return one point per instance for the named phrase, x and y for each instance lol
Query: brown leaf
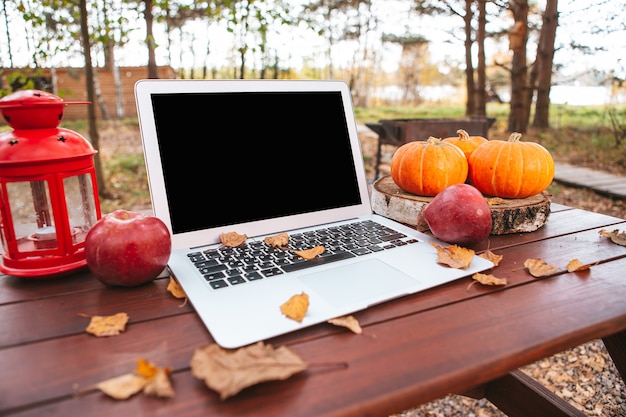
(123, 386)
(101, 326)
(539, 268)
(309, 254)
(490, 256)
(159, 385)
(148, 377)
(229, 371)
(616, 236)
(487, 279)
(176, 290)
(348, 322)
(277, 241)
(576, 266)
(296, 307)
(232, 239)
(454, 256)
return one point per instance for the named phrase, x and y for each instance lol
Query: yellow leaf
(228, 371)
(348, 322)
(232, 239)
(490, 256)
(296, 307)
(159, 385)
(123, 386)
(175, 289)
(576, 266)
(487, 279)
(277, 241)
(107, 325)
(454, 256)
(309, 254)
(616, 236)
(539, 268)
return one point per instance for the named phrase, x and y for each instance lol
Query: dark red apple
(127, 248)
(459, 214)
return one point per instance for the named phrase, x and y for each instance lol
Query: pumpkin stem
(515, 137)
(433, 140)
(463, 135)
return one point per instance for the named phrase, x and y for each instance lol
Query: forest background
(481, 50)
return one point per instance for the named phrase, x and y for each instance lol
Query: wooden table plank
(427, 351)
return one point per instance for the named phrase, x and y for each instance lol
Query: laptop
(262, 158)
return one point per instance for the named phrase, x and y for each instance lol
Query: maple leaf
(454, 256)
(495, 201)
(101, 326)
(486, 279)
(348, 322)
(616, 236)
(296, 307)
(229, 371)
(309, 254)
(539, 268)
(232, 239)
(490, 256)
(277, 241)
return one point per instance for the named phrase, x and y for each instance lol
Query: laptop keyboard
(226, 266)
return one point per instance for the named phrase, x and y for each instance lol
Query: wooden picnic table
(450, 339)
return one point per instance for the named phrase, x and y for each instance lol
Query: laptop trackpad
(359, 283)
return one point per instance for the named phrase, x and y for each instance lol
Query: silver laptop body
(261, 158)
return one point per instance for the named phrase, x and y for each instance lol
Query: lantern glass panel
(81, 205)
(33, 221)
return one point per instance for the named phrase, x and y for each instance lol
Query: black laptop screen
(239, 157)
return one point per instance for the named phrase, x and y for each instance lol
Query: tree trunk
(470, 106)
(89, 79)
(518, 37)
(481, 78)
(545, 56)
(152, 66)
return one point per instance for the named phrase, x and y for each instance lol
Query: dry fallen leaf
(176, 290)
(576, 266)
(148, 377)
(228, 371)
(101, 326)
(123, 386)
(348, 322)
(232, 239)
(616, 236)
(490, 256)
(539, 268)
(487, 279)
(309, 254)
(277, 241)
(454, 256)
(296, 307)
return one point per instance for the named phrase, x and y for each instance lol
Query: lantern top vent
(33, 109)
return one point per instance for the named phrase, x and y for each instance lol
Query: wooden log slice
(507, 215)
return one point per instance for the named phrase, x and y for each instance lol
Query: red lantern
(48, 191)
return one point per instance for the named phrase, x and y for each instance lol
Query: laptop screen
(235, 157)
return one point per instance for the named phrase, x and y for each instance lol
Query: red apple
(127, 248)
(459, 214)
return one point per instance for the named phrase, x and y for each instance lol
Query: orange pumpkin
(466, 142)
(427, 167)
(511, 169)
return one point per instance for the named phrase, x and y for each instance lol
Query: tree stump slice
(507, 215)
